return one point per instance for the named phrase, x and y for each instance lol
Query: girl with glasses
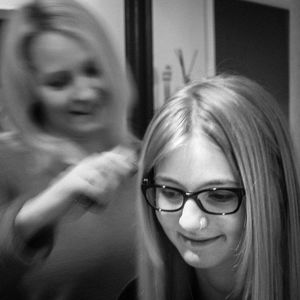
(219, 203)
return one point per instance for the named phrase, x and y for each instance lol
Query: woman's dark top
(89, 255)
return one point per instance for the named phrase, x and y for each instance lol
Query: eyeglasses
(215, 201)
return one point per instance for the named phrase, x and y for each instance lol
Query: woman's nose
(84, 89)
(192, 218)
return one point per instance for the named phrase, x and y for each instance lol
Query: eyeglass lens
(215, 201)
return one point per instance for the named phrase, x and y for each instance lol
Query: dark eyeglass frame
(239, 191)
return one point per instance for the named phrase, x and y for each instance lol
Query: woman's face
(203, 240)
(73, 89)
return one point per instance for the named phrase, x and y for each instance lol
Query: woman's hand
(91, 180)
(99, 174)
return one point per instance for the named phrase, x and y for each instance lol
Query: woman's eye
(59, 80)
(92, 70)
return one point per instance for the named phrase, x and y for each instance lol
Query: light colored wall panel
(185, 25)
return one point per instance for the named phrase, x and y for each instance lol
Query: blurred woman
(67, 222)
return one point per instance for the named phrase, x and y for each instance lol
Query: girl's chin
(192, 259)
(198, 261)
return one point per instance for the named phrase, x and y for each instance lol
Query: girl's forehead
(201, 160)
(197, 153)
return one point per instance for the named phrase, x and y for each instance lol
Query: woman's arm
(28, 220)
(91, 179)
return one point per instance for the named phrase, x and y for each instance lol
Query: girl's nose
(192, 218)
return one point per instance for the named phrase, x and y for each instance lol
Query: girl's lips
(198, 242)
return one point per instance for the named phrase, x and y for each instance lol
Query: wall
(186, 25)
(253, 40)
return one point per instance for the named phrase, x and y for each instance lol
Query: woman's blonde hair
(244, 121)
(18, 86)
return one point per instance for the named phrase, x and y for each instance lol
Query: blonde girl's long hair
(244, 121)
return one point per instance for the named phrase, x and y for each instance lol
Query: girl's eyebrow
(210, 183)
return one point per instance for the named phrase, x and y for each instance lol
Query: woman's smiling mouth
(80, 113)
(192, 242)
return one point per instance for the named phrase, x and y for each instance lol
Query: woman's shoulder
(13, 153)
(129, 292)
(11, 141)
